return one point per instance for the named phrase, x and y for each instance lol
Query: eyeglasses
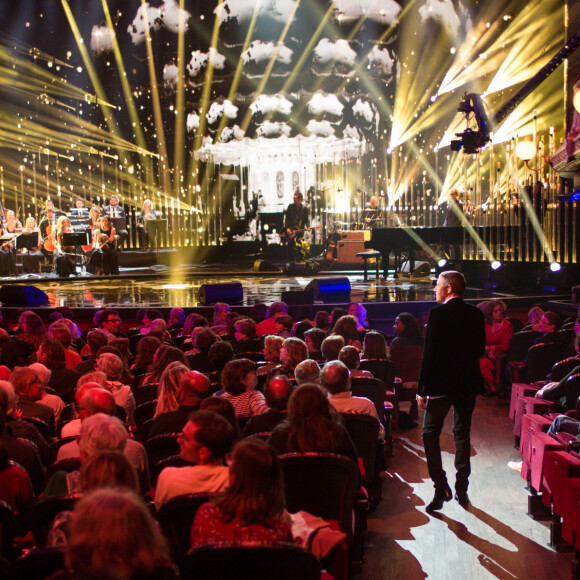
(113, 320)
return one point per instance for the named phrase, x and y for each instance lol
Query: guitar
(294, 231)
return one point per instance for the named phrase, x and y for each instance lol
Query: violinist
(31, 257)
(65, 265)
(12, 225)
(49, 206)
(146, 213)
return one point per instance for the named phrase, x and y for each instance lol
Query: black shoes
(462, 497)
(440, 497)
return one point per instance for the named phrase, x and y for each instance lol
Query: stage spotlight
(555, 266)
(496, 265)
(442, 262)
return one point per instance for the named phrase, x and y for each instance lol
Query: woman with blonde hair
(168, 391)
(113, 530)
(292, 353)
(112, 366)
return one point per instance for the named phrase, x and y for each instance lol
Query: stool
(367, 256)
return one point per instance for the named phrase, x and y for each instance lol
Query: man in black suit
(450, 377)
(118, 218)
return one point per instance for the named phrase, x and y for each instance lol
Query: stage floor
(165, 287)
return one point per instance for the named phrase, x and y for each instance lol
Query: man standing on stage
(116, 212)
(295, 219)
(450, 377)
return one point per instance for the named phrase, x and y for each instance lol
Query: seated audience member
(375, 346)
(113, 530)
(146, 349)
(229, 334)
(245, 334)
(239, 388)
(112, 366)
(89, 381)
(149, 316)
(331, 346)
(101, 401)
(277, 392)
(321, 321)
(168, 390)
(268, 326)
(27, 386)
(176, 319)
(307, 371)
(301, 329)
(252, 508)
(560, 391)
(548, 327)
(293, 352)
(205, 440)
(164, 356)
(284, 324)
(204, 338)
(567, 424)
(224, 408)
(10, 354)
(19, 427)
(220, 310)
(350, 356)
(258, 312)
(98, 432)
(51, 354)
(18, 451)
(313, 339)
(272, 347)
(534, 317)
(219, 354)
(312, 425)
(192, 321)
(61, 332)
(335, 378)
(193, 389)
(49, 399)
(346, 326)
(96, 339)
(30, 332)
(498, 332)
(336, 313)
(110, 322)
(407, 331)
(158, 329)
(357, 310)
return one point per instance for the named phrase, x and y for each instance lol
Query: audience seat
(46, 510)
(531, 423)
(248, 561)
(39, 564)
(160, 447)
(175, 519)
(563, 367)
(558, 466)
(145, 393)
(7, 530)
(143, 413)
(541, 358)
(570, 507)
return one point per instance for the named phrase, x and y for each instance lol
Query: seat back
(407, 362)
(144, 412)
(519, 344)
(175, 518)
(7, 530)
(561, 368)
(323, 484)
(248, 561)
(381, 368)
(145, 393)
(160, 447)
(39, 563)
(46, 430)
(541, 359)
(572, 389)
(516, 323)
(373, 389)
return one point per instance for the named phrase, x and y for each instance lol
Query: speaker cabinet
(339, 285)
(229, 292)
(22, 295)
(298, 297)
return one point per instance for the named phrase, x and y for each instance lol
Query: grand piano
(399, 240)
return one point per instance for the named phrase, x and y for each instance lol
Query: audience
(407, 331)
(277, 392)
(272, 347)
(239, 381)
(307, 371)
(204, 442)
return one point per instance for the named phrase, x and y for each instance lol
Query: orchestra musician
(47, 228)
(147, 213)
(64, 255)
(372, 215)
(79, 211)
(296, 222)
(49, 206)
(7, 253)
(32, 257)
(103, 256)
(115, 211)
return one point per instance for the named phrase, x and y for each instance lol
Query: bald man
(277, 393)
(194, 387)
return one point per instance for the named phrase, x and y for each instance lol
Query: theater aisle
(493, 538)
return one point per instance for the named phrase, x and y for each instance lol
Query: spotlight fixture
(496, 265)
(555, 266)
(526, 151)
(442, 262)
(472, 141)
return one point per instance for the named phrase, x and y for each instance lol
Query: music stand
(154, 227)
(27, 241)
(76, 239)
